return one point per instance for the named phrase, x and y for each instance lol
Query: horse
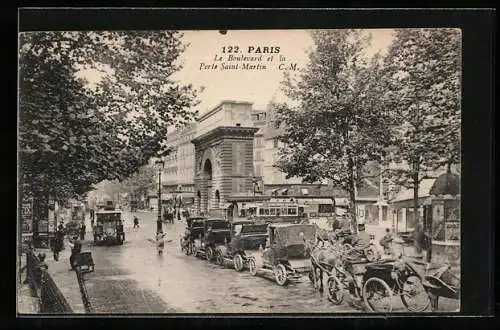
(324, 255)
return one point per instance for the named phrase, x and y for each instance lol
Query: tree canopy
(423, 80)
(75, 131)
(335, 122)
(347, 111)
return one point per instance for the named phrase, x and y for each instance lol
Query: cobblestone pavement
(132, 278)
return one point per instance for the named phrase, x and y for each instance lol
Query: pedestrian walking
(61, 225)
(136, 222)
(83, 230)
(160, 242)
(40, 267)
(76, 249)
(171, 215)
(58, 244)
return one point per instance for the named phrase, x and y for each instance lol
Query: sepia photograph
(239, 171)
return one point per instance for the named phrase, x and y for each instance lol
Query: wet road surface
(132, 278)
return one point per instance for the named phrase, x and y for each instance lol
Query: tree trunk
(352, 209)
(352, 196)
(416, 183)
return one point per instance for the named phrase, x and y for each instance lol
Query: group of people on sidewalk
(170, 213)
(75, 243)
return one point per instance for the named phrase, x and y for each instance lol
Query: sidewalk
(26, 303)
(66, 280)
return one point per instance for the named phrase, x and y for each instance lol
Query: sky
(257, 86)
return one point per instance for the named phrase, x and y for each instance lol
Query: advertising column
(27, 222)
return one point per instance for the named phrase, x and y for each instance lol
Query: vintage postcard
(240, 171)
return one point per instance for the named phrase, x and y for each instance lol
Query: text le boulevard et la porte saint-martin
(249, 58)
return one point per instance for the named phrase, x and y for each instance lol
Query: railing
(43, 287)
(83, 289)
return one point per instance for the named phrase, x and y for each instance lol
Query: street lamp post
(159, 225)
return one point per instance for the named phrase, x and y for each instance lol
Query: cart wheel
(280, 274)
(219, 259)
(238, 262)
(413, 295)
(377, 295)
(210, 253)
(335, 291)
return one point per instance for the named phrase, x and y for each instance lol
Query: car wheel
(238, 262)
(219, 258)
(252, 266)
(280, 274)
(210, 253)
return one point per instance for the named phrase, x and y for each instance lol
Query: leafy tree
(142, 182)
(422, 72)
(335, 123)
(74, 132)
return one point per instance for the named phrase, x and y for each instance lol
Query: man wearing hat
(361, 240)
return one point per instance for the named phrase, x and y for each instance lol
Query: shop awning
(166, 197)
(407, 194)
(340, 202)
(185, 195)
(317, 201)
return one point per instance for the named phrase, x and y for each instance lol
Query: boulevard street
(185, 283)
(132, 278)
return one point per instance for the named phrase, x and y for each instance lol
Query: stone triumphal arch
(223, 166)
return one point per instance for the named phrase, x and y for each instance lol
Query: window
(258, 170)
(275, 143)
(258, 155)
(217, 198)
(261, 211)
(272, 211)
(292, 211)
(266, 211)
(325, 208)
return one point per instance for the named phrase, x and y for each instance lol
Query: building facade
(179, 171)
(184, 174)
